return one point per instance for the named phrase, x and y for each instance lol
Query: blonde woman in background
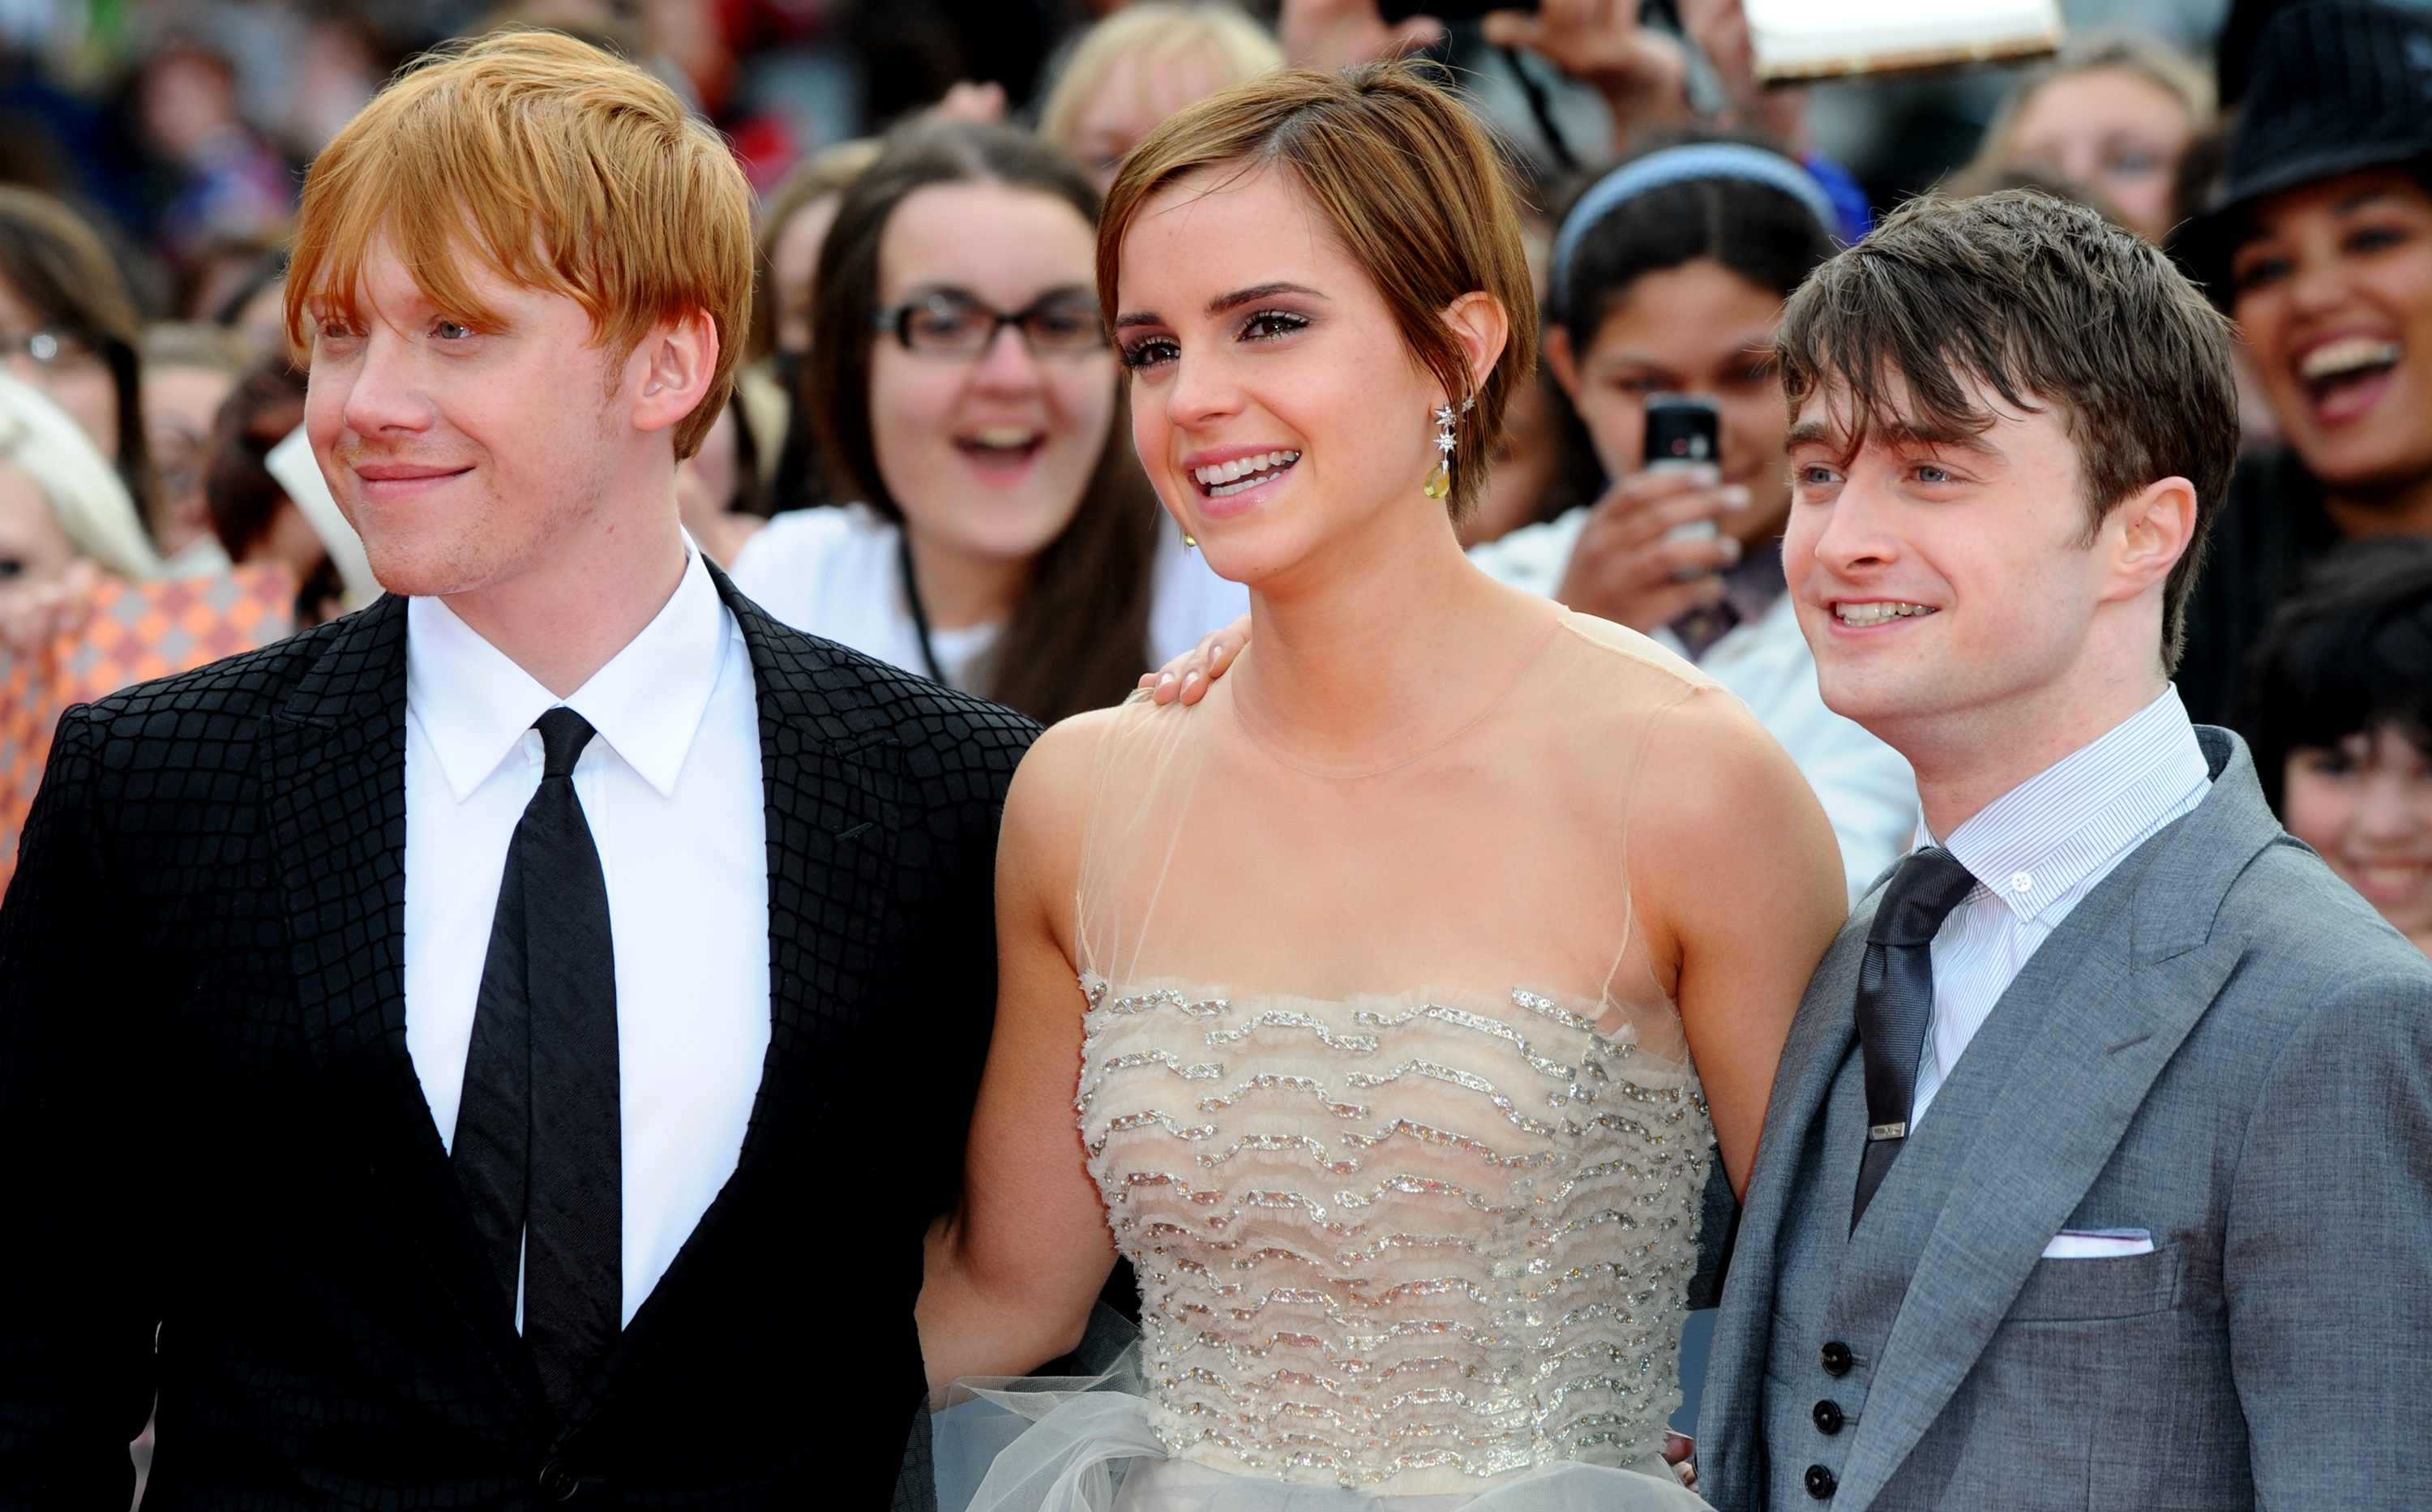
(2113, 115)
(1143, 65)
(65, 519)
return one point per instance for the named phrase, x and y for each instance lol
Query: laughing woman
(964, 386)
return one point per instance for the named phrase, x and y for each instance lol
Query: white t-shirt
(835, 573)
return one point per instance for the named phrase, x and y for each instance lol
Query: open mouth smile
(1877, 612)
(1002, 446)
(2340, 375)
(1225, 479)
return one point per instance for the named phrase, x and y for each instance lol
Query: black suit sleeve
(77, 1310)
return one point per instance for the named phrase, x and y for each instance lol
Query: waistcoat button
(1821, 1483)
(1837, 1358)
(1827, 1417)
(557, 1483)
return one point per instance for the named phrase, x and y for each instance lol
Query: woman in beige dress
(1403, 985)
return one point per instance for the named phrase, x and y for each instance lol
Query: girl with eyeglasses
(964, 390)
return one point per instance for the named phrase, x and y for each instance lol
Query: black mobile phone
(1683, 431)
(1397, 11)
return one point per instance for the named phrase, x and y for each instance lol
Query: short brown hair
(1414, 191)
(2048, 305)
(560, 167)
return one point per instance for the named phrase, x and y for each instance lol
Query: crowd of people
(1407, 770)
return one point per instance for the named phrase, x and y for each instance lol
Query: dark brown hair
(1409, 182)
(2049, 306)
(59, 268)
(1079, 638)
(2349, 653)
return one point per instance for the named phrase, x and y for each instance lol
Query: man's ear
(1478, 320)
(2156, 527)
(1563, 361)
(670, 373)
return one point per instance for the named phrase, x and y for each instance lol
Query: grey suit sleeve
(2327, 1259)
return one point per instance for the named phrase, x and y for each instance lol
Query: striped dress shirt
(2036, 851)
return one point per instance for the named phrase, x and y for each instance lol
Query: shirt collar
(646, 702)
(2034, 844)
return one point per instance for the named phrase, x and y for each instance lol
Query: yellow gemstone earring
(1190, 541)
(1439, 482)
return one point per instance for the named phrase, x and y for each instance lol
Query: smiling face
(2113, 130)
(1696, 329)
(1275, 403)
(2334, 291)
(987, 456)
(1949, 587)
(2367, 807)
(465, 458)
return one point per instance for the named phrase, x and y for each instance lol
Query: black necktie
(1896, 1001)
(538, 1142)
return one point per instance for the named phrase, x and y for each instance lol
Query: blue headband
(1675, 165)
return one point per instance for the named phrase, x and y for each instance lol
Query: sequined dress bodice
(1383, 1091)
(1403, 1244)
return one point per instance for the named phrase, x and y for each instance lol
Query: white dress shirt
(1866, 787)
(836, 573)
(671, 787)
(2036, 851)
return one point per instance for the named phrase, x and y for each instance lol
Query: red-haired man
(505, 1044)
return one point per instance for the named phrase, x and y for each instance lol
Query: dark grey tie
(1896, 1001)
(538, 1141)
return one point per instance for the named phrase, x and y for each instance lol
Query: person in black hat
(2319, 244)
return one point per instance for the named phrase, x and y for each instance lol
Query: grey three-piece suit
(2223, 1045)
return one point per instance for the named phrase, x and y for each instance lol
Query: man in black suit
(504, 1046)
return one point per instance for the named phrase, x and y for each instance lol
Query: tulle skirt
(1087, 1444)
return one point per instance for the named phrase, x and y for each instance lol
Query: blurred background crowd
(901, 472)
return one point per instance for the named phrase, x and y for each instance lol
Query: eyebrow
(1222, 302)
(1893, 433)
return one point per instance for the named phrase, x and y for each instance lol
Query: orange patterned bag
(132, 632)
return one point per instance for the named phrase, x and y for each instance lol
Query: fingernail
(1165, 682)
(1731, 547)
(1187, 681)
(1706, 474)
(1735, 496)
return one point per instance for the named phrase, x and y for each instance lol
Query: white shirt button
(2022, 882)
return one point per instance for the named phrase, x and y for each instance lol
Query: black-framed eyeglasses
(948, 324)
(51, 347)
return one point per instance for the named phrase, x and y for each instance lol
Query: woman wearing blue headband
(1668, 276)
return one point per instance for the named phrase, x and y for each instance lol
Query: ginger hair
(555, 165)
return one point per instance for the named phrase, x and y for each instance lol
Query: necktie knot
(563, 735)
(1929, 884)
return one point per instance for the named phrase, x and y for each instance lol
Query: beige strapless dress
(1389, 1112)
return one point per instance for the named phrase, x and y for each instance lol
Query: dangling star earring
(1439, 482)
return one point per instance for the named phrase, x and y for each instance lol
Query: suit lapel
(1729, 1425)
(832, 817)
(334, 800)
(2038, 1104)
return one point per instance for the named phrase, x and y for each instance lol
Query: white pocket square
(2099, 1244)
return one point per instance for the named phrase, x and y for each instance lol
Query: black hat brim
(2204, 244)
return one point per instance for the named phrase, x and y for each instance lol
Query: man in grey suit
(2165, 1237)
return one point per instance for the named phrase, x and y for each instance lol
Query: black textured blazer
(209, 1127)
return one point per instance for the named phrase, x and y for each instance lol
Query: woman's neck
(1381, 645)
(2402, 508)
(961, 589)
